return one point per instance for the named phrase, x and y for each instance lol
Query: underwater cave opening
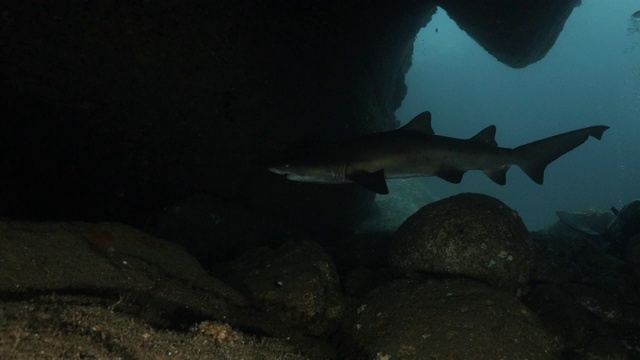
(590, 76)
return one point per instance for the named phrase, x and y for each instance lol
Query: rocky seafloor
(461, 278)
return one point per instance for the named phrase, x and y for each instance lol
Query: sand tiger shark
(414, 150)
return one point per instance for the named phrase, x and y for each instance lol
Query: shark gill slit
(340, 173)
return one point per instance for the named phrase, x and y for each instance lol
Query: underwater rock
(297, 282)
(585, 313)
(564, 319)
(633, 255)
(212, 229)
(443, 319)
(72, 274)
(468, 234)
(554, 259)
(607, 348)
(562, 258)
(68, 327)
(359, 281)
(521, 32)
(587, 299)
(623, 228)
(104, 257)
(574, 314)
(604, 305)
(581, 292)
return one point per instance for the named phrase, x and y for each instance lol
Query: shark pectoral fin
(374, 181)
(450, 175)
(498, 176)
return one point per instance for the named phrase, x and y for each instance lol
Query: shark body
(414, 150)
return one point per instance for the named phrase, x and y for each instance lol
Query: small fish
(636, 15)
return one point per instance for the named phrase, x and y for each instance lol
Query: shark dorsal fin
(486, 136)
(420, 123)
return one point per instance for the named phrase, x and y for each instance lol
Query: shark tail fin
(534, 157)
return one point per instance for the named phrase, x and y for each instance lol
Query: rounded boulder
(469, 234)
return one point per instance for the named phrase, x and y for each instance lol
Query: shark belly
(433, 161)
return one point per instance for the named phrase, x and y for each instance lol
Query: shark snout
(280, 170)
(301, 173)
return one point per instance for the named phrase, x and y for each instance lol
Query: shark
(414, 150)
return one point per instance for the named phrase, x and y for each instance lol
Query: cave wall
(117, 110)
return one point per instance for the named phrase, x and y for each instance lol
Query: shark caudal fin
(534, 157)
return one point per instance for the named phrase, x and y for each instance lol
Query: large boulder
(106, 258)
(107, 290)
(468, 234)
(297, 282)
(443, 319)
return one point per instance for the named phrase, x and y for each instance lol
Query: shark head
(374, 181)
(287, 170)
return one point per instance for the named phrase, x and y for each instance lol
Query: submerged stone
(468, 234)
(633, 255)
(443, 319)
(297, 282)
(625, 226)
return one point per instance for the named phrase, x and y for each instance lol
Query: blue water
(591, 76)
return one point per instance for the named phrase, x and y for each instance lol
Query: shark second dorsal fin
(420, 123)
(374, 181)
(486, 136)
